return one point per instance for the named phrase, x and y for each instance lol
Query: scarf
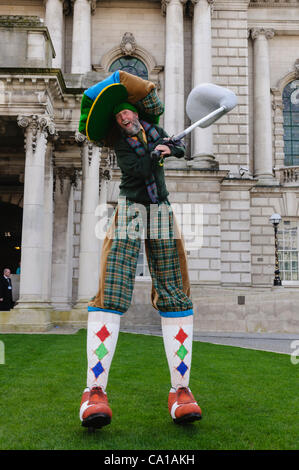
(138, 147)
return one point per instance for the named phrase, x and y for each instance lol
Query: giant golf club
(206, 103)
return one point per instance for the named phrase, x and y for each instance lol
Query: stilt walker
(123, 112)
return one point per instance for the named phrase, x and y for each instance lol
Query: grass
(249, 398)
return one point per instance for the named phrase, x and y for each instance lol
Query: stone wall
(25, 42)
(230, 69)
(235, 233)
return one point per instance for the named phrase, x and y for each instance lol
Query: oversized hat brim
(97, 117)
(100, 117)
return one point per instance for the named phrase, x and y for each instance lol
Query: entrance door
(10, 236)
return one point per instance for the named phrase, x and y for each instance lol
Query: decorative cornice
(274, 3)
(21, 21)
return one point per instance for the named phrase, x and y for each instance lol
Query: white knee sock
(177, 337)
(102, 335)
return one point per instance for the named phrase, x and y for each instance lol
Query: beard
(135, 127)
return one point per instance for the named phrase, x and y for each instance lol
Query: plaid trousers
(166, 257)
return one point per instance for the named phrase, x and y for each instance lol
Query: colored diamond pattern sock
(177, 337)
(102, 335)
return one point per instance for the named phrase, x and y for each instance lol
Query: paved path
(278, 343)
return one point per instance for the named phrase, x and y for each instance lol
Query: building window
(131, 65)
(288, 250)
(290, 98)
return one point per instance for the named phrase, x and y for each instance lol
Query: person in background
(6, 302)
(18, 271)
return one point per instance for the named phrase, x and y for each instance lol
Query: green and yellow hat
(100, 101)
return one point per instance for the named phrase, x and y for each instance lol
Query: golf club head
(206, 98)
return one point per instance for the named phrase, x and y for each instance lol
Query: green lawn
(249, 398)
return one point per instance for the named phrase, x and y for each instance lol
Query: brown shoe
(182, 406)
(95, 411)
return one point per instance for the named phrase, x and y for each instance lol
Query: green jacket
(135, 170)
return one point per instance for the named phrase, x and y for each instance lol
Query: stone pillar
(37, 128)
(48, 223)
(31, 312)
(62, 239)
(174, 116)
(81, 45)
(89, 244)
(202, 139)
(262, 120)
(54, 21)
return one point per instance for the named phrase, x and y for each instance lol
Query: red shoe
(182, 406)
(95, 411)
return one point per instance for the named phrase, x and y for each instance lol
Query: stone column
(54, 21)
(202, 139)
(174, 116)
(31, 312)
(48, 223)
(89, 243)
(81, 45)
(62, 239)
(262, 121)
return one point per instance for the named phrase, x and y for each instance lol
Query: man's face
(7, 272)
(128, 121)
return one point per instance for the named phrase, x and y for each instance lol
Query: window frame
(286, 282)
(112, 68)
(288, 122)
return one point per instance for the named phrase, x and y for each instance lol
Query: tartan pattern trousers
(166, 257)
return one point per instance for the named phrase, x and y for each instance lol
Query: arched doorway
(10, 236)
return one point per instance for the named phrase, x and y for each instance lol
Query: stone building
(239, 171)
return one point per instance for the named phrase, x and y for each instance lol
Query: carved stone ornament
(267, 32)
(93, 5)
(211, 2)
(164, 4)
(37, 123)
(80, 138)
(63, 173)
(128, 44)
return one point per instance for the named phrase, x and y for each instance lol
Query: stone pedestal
(32, 318)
